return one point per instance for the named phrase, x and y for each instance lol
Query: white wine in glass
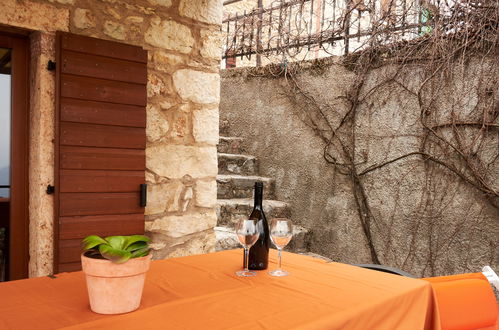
(281, 232)
(247, 234)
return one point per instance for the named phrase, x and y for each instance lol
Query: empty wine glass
(281, 231)
(247, 234)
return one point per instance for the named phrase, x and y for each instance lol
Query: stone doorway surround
(183, 41)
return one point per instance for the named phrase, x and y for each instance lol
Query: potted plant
(115, 269)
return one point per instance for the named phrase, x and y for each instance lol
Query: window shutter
(100, 142)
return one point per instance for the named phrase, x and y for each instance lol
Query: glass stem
(279, 257)
(246, 257)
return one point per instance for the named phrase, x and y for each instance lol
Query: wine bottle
(259, 252)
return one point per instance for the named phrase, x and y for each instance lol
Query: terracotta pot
(115, 288)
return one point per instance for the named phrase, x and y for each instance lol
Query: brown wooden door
(14, 209)
(100, 142)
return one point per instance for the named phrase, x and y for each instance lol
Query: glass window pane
(5, 112)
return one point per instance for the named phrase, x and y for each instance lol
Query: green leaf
(117, 242)
(92, 241)
(137, 246)
(115, 255)
(118, 249)
(140, 253)
(135, 238)
(93, 253)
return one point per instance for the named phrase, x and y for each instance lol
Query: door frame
(18, 257)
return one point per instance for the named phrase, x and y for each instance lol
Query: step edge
(230, 138)
(249, 202)
(243, 177)
(235, 156)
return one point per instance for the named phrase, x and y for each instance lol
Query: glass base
(279, 272)
(245, 273)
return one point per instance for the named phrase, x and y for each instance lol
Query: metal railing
(296, 28)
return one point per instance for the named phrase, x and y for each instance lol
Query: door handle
(143, 195)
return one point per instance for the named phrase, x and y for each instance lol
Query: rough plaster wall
(442, 220)
(183, 42)
(430, 222)
(291, 153)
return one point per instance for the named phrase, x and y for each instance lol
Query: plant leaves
(137, 246)
(135, 238)
(93, 253)
(115, 255)
(140, 253)
(117, 242)
(92, 241)
(118, 249)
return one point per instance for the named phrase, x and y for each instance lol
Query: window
(5, 95)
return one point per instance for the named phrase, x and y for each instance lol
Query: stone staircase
(237, 174)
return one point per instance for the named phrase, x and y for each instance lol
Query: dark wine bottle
(259, 252)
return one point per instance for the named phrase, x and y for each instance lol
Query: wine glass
(281, 231)
(247, 234)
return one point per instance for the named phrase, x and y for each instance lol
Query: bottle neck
(258, 198)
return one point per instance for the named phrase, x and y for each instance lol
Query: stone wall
(428, 222)
(183, 42)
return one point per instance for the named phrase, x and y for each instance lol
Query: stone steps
(229, 211)
(237, 164)
(230, 145)
(236, 178)
(241, 186)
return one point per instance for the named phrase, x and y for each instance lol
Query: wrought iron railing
(294, 29)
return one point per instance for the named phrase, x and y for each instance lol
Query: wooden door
(100, 142)
(14, 210)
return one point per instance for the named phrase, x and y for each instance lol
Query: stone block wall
(183, 41)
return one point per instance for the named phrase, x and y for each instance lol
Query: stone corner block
(206, 193)
(197, 243)
(182, 225)
(170, 35)
(157, 125)
(197, 86)
(175, 161)
(207, 11)
(212, 44)
(163, 197)
(205, 124)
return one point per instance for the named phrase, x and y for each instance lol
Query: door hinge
(51, 65)
(50, 189)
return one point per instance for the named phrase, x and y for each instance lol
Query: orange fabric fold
(464, 301)
(202, 292)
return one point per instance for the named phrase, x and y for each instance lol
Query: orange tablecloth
(202, 292)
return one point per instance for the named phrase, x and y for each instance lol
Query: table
(202, 292)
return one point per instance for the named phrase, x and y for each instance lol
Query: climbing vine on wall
(451, 71)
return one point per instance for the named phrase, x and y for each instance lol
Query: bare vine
(458, 140)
